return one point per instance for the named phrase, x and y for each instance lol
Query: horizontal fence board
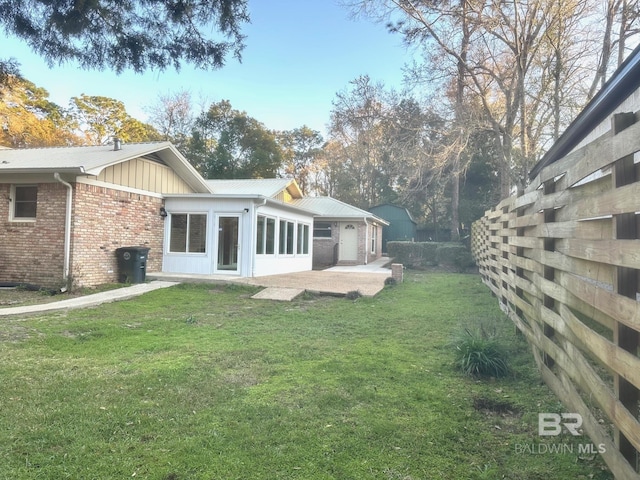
(580, 163)
(626, 142)
(624, 253)
(612, 202)
(527, 264)
(582, 373)
(623, 309)
(615, 358)
(524, 221)
(598, 272)
(527, 199)
(552, 259)
(526, 242)
(590, 229)
(571, 398)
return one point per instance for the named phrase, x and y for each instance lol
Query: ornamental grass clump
(481, 356)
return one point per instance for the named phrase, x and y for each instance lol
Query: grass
(201, 382)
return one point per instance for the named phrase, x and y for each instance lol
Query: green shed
(401, 226)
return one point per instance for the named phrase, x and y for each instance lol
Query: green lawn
(201, 382)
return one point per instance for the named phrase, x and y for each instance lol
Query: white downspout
(67, 229)
(366, 242)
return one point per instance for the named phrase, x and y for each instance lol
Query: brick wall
(33, 252)
(106, 219)
(323, 249)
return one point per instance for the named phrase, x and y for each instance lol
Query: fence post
(397, 270)
(625, 226)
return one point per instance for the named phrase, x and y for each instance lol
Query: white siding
(276, 263)
(250, 264)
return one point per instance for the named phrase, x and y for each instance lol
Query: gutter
(67, 230)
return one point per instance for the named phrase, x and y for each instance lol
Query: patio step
(277, 293)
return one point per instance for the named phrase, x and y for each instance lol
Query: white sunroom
(245, 228)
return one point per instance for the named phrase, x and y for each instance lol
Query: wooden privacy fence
(563, 258)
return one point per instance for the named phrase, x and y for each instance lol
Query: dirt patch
(15, 333)
(502, 414)
(490, 406)
(18, 297)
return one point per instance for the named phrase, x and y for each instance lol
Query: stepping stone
(276, 293)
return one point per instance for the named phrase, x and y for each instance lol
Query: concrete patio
(367, 279)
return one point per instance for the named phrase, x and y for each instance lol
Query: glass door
(228, 243)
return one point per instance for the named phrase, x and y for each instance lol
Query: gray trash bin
(132, 264)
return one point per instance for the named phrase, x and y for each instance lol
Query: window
(374, 238)
(271, 236)
(265, 235)
(321, 229)
(188, 233)
(286, 237)
(303, 239)
(260, 235)
(25, 201)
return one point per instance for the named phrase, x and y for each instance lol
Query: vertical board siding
(144, 174)
(563, 260)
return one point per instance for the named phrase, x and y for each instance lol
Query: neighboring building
(342, 233)
(401, 226)
(66, 210)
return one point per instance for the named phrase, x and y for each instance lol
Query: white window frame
(14, 203)
(286, 240)
(323, 229)
(303, 240)
(374, 238)
(265, 234)
(188, 233)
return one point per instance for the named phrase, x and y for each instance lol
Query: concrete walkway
(89, 300)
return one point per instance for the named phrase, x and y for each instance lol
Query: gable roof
(383, 206)
(268, 187)
(93, 159)
(330, 208)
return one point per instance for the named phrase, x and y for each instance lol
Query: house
(402, 227)
(342, 234)
(65, 211)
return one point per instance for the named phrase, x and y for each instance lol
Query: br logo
(550, 424)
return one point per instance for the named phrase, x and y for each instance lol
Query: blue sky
(298, 55)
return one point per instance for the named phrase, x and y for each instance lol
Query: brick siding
(33, 252)
(323, 248)
(104, 219)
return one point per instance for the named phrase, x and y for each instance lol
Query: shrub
(481, 356)
(390, 281)
(454, 255)
(413, 254)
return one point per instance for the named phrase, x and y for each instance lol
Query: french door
(228, 244)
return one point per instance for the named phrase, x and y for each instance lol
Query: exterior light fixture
(163, 213)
